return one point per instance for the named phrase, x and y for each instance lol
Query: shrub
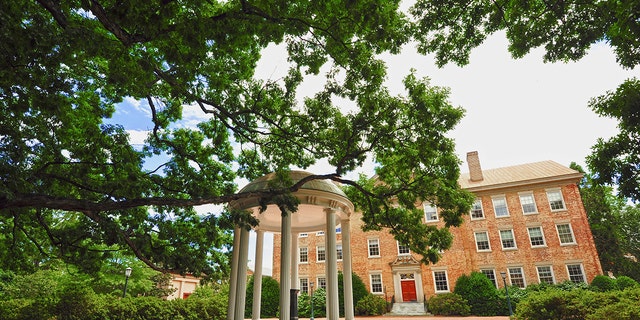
(358, 288)
(270, 298)
(449, 304)
(603, 283)
(371, 305)
(624, 282)
(480, 293)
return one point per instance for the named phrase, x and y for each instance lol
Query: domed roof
(315, 197)
(262, 183)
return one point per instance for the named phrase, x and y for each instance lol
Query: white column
(294, 261)
(285, 266)
(331, 266)
(241, 291)
(347, 270)
(257, 275)
(234, 273)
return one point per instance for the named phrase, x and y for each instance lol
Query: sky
(517, 111)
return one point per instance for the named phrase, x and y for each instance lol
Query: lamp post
(311, 287)
(127, 274)
(504, 279)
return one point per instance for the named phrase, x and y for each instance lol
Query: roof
(262, 183)
(537, 172)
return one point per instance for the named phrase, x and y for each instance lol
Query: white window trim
(339, 245)
(371, 274)
(584, 277)
(435, 286)
(573, 235)
(475, 236)
(553, 275)
(544, 240)
(524, 277)
(318, 281)
(495, 276)
(506, 205)
(564, 203)
(535, 205)
(513, 234)
(318, 254)
(300, 255)
(369, 246)
(301, 286)
(424, 211)
(481, 209)
(398, 247)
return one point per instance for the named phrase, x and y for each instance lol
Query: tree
(566, 29)
(66, 67)
(614, 225)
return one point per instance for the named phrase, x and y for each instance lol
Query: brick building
(527, 221)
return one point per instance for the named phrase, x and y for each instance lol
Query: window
(482, 241)
(575, 273)
(536, 236)
(430, 212)
(322, 282)
(555, 200)
(545, 274)
(374, 247)
(303, 235)
(491, 274)
(304, 285)
(528, 203)
(339, 251)
(516, 276)
(565, 234)
(476, 210)
(507, 239)
(440, 280)
(321, 254)
(403, 250)
(320, 233)
(376, 283)
(304, 254)
(500, 207)
(339, 229)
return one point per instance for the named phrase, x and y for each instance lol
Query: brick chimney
(475, 171)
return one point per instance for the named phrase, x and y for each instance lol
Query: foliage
(624, 282)
(358, 288)
(603, 283)
(579, 304)
(371, 305)
(614, 225)
(448, 304)
(617, 160)
(75, 185)
(270, 297)
(81, 303)
(319, 304)
(480, 293)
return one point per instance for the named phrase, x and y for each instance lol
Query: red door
(408, 290)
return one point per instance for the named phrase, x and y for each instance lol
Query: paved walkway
(414, 318)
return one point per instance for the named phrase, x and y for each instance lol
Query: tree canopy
(74, 186)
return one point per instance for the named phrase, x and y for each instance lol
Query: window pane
(339, 251)
(536, 236)
(482, 241)
(476, 210)
(545, 274)
(440, 279)
(374, 247)
(322, 283)
(491, 274)
(321, 254)
(507, 239)
(500, 207)
(402, 249)
(376, 283)
(430, 212)
(304, 254)
(528, 203)
(575, 273)
(565, 234)
(517, 277)
(304, 285)
(555, 200)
